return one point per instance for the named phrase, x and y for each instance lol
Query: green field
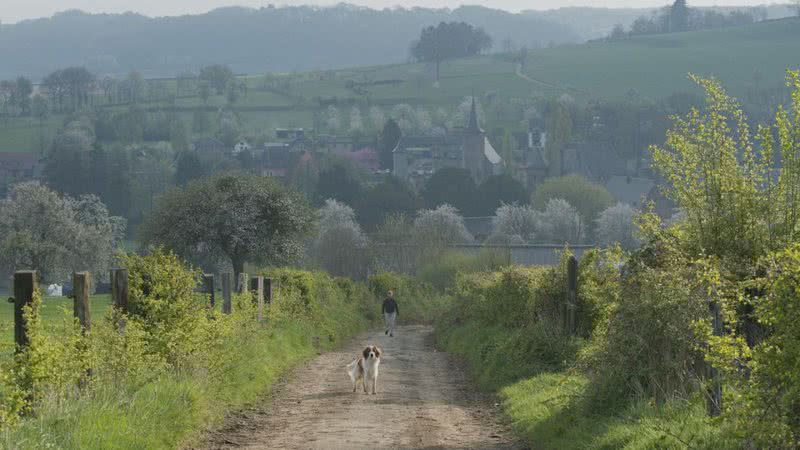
(53, 313)
(747, 58)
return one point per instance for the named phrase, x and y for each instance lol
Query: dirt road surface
(424, 401)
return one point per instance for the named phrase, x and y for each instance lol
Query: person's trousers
(388, 320)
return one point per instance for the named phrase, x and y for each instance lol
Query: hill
(249, 40)
(750, 61)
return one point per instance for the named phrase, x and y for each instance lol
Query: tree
(390, 197)
(134, 86)
(615, 225)
(679, 16)
(340, 245)
(436, 229)
(339, 183)
(200, 121)
(559, 133)
(387, 141)
(239, 217)
(498, 190)
(23, 90)
(588, 198)
(449, 40)
(72, 83)
(515, 224)
(561, 223)
(451, 186)
(217, 76)
(204, 91)
(189, 167)
(67, 157)
(56, 235)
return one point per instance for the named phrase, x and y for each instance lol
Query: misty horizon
(19, 10)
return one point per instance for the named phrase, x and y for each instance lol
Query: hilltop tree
(217, 76)
(449, 40)
(679, 16)
(235, 216)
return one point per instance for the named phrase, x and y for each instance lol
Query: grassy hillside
(653, 67)
(656, 66)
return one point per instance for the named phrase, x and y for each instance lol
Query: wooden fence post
(119, 289)
(572, 295)
(268, 290)
(715, 390)
(226, 292)
(81, 287)
(25, 285)
(241, 283)
(208, 287)
(257, 286)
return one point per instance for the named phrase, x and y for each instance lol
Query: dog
(365, 368)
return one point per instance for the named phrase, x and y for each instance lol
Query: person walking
(389, 311)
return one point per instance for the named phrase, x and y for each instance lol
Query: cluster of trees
(15, 96)
(449, 40)
(679, 17)
(57, 234)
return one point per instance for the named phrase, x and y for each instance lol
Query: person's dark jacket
(390, 306)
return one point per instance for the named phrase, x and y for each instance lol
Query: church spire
(473, 126)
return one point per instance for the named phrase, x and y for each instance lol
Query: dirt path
(424, 402)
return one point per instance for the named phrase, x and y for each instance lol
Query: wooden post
(572, 294)
(715, 389)
(241, 283)
(208, 287)
(25, 285)
(119, 289)
(257, 286)
(268, 290)
(81, 287)
(226, 292)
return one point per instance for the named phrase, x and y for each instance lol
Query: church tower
(473, 143)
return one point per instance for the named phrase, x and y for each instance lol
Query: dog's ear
(377, 351)
(365, 353)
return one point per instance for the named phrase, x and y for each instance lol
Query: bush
(178, 366)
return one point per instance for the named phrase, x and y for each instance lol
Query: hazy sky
(15, 10)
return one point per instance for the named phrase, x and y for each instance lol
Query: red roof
(366, 157)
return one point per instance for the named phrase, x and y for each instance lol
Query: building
(208, 145)
(530, 160)
(630, 190)
(417, 158)
(16, 167)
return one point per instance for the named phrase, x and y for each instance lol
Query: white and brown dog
(365, 368)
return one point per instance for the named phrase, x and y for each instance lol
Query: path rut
(424, 401)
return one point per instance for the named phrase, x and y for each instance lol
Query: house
(16, 167)
(417, 158)
(289, 134)
(530, 160)
(241, 146)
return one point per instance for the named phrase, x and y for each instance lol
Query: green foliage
(451, 186)
(442, 272)
(419, 303)
(232, 215)
(588, 198)
(176, 365)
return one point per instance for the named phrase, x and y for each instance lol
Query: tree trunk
(238, 266)
(438, 63)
